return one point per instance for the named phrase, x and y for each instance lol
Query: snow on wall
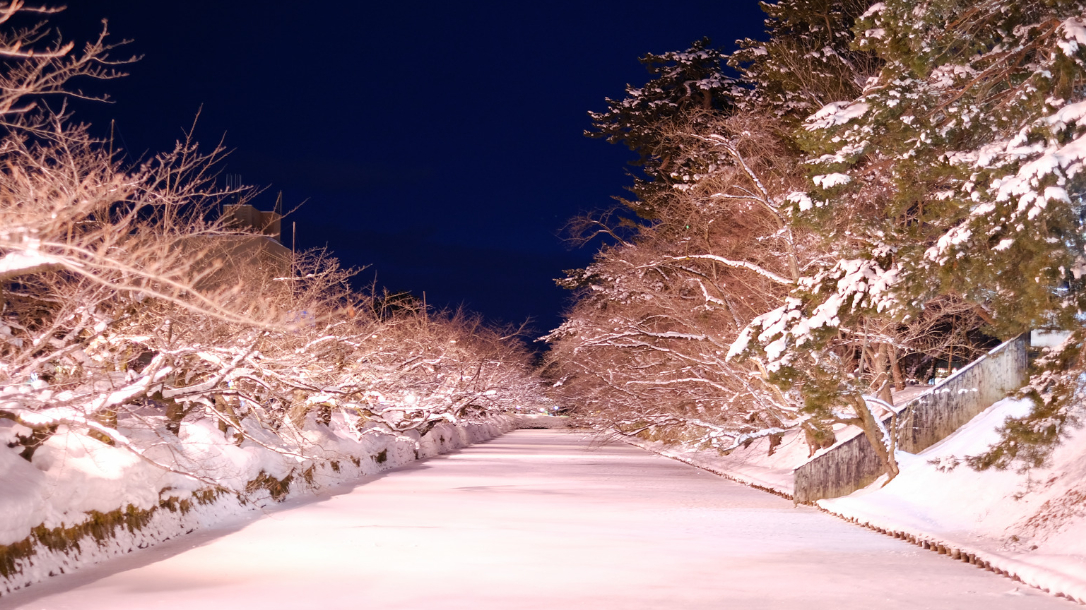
(82, 501)
(851, 464)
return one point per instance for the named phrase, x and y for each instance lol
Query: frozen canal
(537, 519)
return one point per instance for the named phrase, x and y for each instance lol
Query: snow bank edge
(40, 557)
(1049, 581)
(1054, 583)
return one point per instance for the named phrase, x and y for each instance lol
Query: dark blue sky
(439, 143)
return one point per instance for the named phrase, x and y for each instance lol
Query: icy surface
(536, 519)
(752, 465)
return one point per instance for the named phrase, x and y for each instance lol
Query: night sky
(438, 143)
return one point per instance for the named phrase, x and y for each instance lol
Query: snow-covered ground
(751, 465)
(81, 501)
(754, 465)
(1032, 525)
(535, 519)
(540, 422)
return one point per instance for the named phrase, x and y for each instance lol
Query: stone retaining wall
(851, 464)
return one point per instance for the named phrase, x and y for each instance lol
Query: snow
(534, 421)
(836, 113)
(829, 181)
(20, 262)
(802, 200)
(874, 9)
(753, 465)
(1032, 524)
(1048, 338)
(20, 502)
(857, 283)
(952, 238)
(1069, 114)
(738, 264)
(72, 474)
(749, 465)
(1068, 158)
(535, 519)
(1074, 35)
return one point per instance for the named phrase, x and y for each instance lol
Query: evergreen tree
(962, 159)
(955, 173)
(684, 84)
(808, 59)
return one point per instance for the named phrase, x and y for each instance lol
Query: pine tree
(684, 84)
(807, 60)
(963, 157)
(956, 173)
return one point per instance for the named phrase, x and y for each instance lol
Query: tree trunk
(775, 441)
(895, 366)
(818, 436)
(875, 436)
(175, 412)
(881, 371)
(223, 406)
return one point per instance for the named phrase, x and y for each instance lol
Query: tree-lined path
(536, 519)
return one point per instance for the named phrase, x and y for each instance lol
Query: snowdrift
(80, 501)
(1030, 525)
(1027, 525)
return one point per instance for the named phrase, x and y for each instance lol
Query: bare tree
(118, 318)
(645, 347)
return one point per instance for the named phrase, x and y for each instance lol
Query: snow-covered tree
(833, 289)
(645, 347)
(806, 60)
(955, 174)
(117, 320)
(684, 84)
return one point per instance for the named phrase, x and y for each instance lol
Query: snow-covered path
(535, 519)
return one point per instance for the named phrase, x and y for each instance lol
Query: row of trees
(884, 188)
(115, 312)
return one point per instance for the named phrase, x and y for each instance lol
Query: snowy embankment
(752, 466)
(80, 501)
(540, 422)
(756, 465)
(1028, 525)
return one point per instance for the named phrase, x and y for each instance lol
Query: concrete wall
(851, 464)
